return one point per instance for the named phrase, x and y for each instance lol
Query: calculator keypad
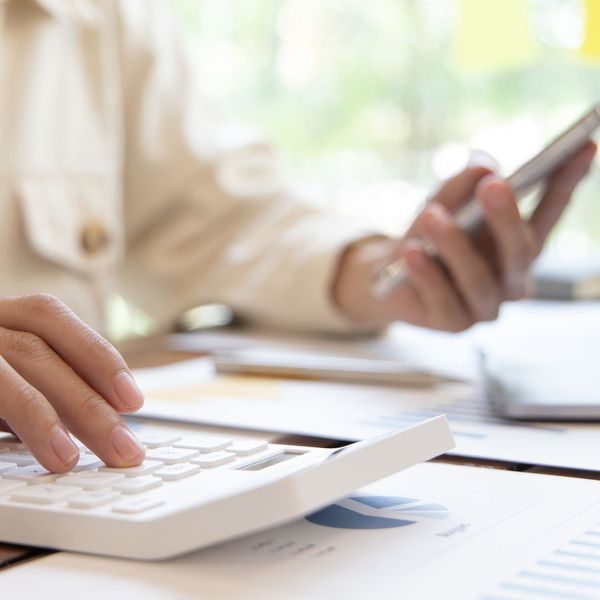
(91, 484)
(93, 498)
(170, 455)
(136, 485)
(176, 472)
(145, 468)
(47, 493)
(214, 459)
(90, 480)
(204, 443)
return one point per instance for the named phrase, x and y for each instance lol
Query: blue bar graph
(570, 572)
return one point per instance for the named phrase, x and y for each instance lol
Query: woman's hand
(57, 374)
(474, 276)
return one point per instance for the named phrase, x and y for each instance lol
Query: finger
(85, 413)
(87, 352)
(4, 426)
(442, 307)
(35, 422)
(558, 192)
(470, 273)
(515, 247)
(456, 190)
(453, 193)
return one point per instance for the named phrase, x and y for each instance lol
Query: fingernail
(435, 220)
(126, 444)
(416, 259)
(62, 445)
(495, 198)
(127, 390)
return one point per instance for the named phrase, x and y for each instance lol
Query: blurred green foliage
(363, 94)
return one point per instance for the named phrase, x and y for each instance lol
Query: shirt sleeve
(205, 223)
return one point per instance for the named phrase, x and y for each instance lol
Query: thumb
(454, 192)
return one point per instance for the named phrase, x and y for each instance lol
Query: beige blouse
(111, 179)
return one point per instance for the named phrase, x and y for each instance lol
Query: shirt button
(93, 237)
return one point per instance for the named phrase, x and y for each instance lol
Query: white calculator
(194, 489)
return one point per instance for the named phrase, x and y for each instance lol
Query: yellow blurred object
(493, 35)
(591, 41)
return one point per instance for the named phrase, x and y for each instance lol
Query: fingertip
(66, 453)
(590, 150)
(577, 167)
(479, 170)
(414, 256)
(127, 446)
(494, 193)
(415, 266)
(435, 219)
(129, 396)
(490, 181)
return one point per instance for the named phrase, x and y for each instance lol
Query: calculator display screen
(270, 461)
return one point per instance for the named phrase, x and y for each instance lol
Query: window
(372, 103)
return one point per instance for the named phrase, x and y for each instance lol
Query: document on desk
(191, 391)
(411, 348)
(432, 531)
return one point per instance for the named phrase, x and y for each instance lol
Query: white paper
(440, 353)
(459, 533)
(350, 412)
(190, 392)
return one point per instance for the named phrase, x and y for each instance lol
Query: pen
(395, 272)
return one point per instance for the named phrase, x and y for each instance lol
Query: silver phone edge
(468, 218)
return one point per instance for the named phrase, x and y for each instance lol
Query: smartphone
(469, 218)
(564, 388)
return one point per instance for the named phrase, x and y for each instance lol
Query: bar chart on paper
(498, 535)
(569, 571)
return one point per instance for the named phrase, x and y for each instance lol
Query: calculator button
(8, 485)
(155, 439)
(135, 485)
(19, 457)
(87, 462)
(4, 466)
(90, 480)
(11, 444)
(171, 456)
(178, 471)
(147, 467)
(247, 447)
(136, 505)
(214, 459)
(204, 443)
(31, 474)
(44, 494)
(93, 498)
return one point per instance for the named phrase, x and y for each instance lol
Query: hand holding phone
(469, 217)
(465, 276)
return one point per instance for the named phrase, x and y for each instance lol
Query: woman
(111, 181)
